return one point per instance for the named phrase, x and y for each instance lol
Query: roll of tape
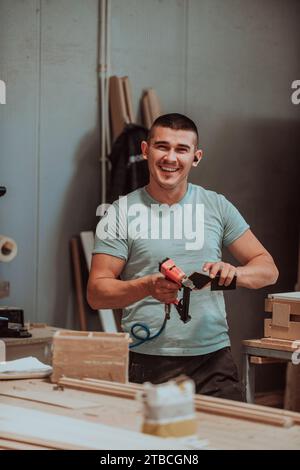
(8, 249)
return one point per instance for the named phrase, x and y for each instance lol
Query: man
(164, 350)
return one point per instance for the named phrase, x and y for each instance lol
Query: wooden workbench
(38, 345)
(270, 348)
(221, 432)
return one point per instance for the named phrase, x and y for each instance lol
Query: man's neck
(167, 196)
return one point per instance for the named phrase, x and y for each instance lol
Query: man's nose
(171, 156)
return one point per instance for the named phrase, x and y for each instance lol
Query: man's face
(170, 155)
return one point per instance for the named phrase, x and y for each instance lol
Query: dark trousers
(214, 374)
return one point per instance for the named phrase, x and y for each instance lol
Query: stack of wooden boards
(103, 415)
(206, 404)
(282, 332)
(285, 325)
(285, 321)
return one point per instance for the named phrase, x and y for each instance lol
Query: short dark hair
(174, 121)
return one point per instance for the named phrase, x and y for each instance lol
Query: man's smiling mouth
(168, 169)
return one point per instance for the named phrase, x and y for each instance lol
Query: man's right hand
(106, 291)
(161, 289)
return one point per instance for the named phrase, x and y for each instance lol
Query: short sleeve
(234, 224)
(111, 234)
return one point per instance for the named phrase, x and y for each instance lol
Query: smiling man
(171, 153)
(124, 272)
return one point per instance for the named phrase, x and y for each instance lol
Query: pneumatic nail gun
(195, 281)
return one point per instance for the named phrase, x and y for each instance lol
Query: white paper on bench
(24, 365)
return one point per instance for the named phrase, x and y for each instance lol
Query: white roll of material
(8, 249)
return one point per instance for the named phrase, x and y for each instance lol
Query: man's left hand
(226, 270)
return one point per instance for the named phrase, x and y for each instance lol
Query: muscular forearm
(108, 292)
(259, 272)
(113, 293)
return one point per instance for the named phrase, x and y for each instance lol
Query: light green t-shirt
(207, 221)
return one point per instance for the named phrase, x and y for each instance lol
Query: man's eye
(162, 147)
(182, 150)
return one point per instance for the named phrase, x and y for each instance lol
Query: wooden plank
(118, 112)
(154, 104)
(147, 120)
(94, 386)
(295, 306)
(265, 360)
(128, 99)
(281, 314)
(134, 388)
(90, 335)
(278, 332)
(257, 416)
(61, 432)
(271, 343)
(203, 403)
(57, 398)
(87, 241)
(106, 316)
(8, 444)
(230, 404)
(78, 283)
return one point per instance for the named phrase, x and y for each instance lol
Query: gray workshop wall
(49, 147)
(149, 40)
(229, 64)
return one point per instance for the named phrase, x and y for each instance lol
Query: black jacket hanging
(129, 170)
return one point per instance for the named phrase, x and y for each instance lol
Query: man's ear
(144, 147)
(197, 157)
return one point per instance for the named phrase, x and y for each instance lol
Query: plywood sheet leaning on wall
(120, 104)
(151, 107)
(117, 106)
(147, 120)
(81, 354)
(128, 98)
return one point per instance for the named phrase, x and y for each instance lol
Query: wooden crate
(83, 354)
(285, 321)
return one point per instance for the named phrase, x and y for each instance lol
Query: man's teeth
(171, 170)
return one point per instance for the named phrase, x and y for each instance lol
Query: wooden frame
(80, 354)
